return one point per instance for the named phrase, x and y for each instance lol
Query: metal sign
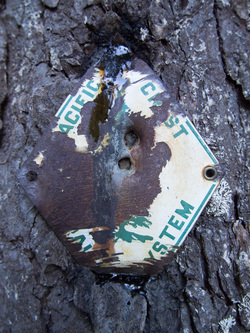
(121, 174)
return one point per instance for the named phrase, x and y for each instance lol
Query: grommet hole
(210, 173)
(31, 175)
(125, 163)
(131, 139)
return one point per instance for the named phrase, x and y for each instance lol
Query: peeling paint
(70, 112)
(174, 203)
(39, 159)
(135, 97)
(80, 141)
(105, 142)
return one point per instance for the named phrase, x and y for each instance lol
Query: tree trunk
(200, 50)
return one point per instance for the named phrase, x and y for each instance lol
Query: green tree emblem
(128, 236)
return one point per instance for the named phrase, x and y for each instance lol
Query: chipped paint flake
(141, 96)
(39, 159)
(105, 142)
(84, 237)
(81, 142)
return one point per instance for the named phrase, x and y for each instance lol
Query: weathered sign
(121, 174)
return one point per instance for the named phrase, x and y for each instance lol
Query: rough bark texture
(200, 49)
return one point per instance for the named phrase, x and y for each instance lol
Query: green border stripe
(68, 99)
(201, 141)
(196, 213)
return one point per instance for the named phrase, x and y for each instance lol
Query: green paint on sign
(196, 214)
(128, 236)
(79, 239)
(185, 211)
(123, 110)
(65, 105)
(86, 248)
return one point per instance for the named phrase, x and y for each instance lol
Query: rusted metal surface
(121, 174)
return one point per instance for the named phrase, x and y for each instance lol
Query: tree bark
(200, 50)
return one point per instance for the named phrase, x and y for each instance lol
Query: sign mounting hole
(31, 175)
(131, 139)
(210, 173)
(125, 163)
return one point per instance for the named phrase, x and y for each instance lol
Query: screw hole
(131, 139)
(31, 175)
(125, 163)
(210, 173)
